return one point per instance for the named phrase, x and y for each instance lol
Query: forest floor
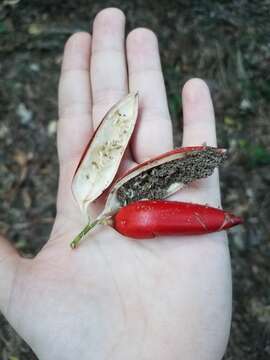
(225, 43)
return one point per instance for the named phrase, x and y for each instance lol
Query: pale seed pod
(101, 159)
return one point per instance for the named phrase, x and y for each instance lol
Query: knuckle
(107, 94)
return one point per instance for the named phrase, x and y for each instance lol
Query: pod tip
(222, 150)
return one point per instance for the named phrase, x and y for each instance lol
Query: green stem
(84, 231)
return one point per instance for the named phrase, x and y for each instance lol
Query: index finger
(75, 124)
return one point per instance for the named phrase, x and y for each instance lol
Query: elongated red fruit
(149, 218)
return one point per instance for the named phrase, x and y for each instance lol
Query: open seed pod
(163, 175)
(158, 178)
(101, 159)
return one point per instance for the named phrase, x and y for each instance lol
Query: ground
(224, 42)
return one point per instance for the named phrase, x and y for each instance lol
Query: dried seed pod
(101, 159)
(162, 176)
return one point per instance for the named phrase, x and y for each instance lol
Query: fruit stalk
(75, 242)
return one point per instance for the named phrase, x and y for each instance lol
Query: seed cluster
(154, 183)
(105, 153)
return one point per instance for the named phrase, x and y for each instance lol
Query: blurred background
(227, 43)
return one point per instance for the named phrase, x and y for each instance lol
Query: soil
(155, 182)
(224, 42)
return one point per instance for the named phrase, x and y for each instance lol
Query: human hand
(116, 298)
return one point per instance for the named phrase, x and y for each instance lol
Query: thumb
(9, 263)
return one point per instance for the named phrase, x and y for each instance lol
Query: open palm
(113, 297)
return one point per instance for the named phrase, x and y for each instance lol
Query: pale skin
(113, 297)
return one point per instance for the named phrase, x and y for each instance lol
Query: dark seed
(153, 183)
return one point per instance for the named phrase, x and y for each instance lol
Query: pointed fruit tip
(237, 220)
(232, 220)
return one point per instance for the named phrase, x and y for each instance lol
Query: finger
(199, 128)
(199, 117)
(153, 134)
(9, 262)
(108, 64)
(74, 127)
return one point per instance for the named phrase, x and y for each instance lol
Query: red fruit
(147, 219)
